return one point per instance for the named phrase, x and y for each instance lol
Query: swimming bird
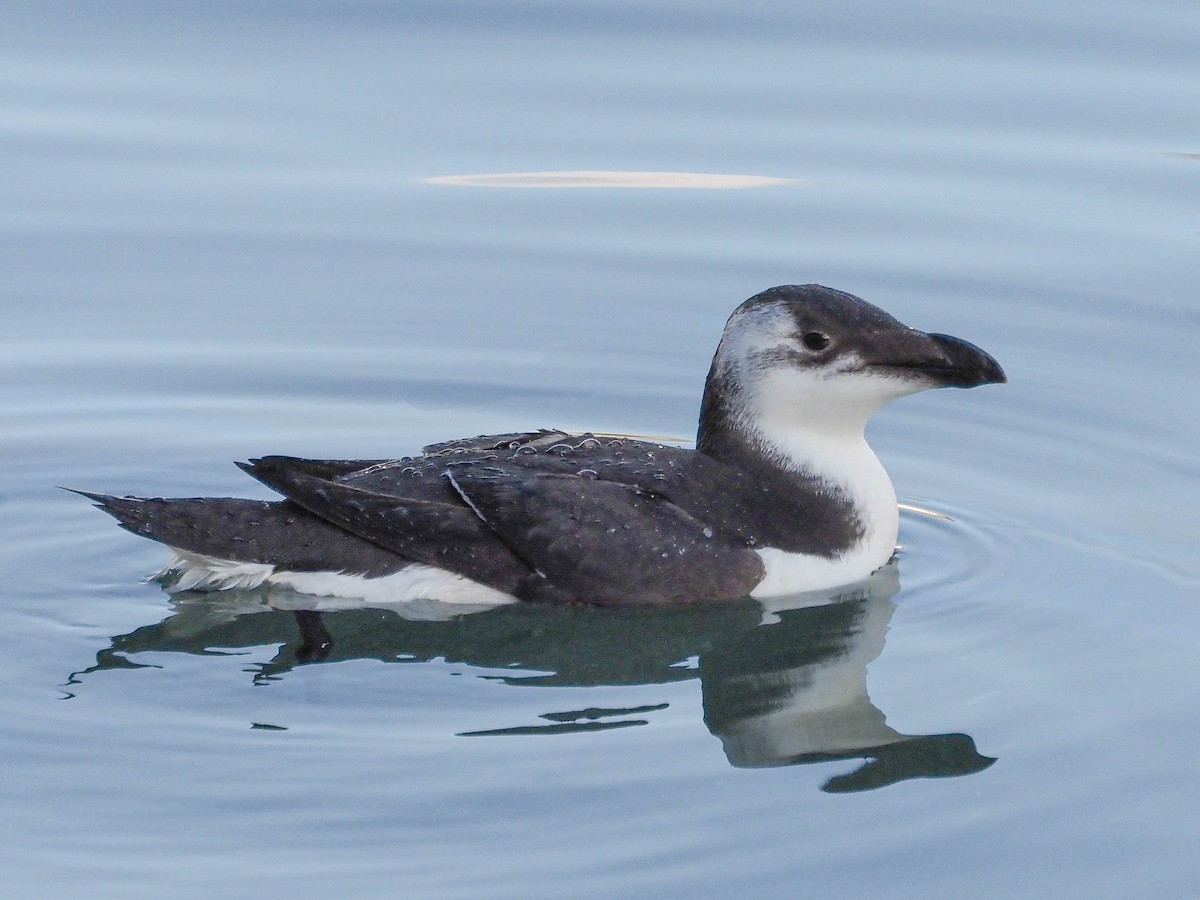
(781, 495)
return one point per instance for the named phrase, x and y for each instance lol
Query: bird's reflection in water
(780, 687)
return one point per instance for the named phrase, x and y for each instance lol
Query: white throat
(825, 438)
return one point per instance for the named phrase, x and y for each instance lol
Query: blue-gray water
(217, 240)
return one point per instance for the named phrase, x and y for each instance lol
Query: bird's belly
(193, 571)
(414, 582)
(793, 573)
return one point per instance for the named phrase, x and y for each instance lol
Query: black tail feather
(276, 532)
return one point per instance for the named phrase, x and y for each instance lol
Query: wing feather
(446, 535)
(604, 541)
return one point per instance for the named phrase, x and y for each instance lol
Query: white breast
(827, 442)
(854, 471)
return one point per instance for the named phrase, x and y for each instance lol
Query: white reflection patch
(590, 179)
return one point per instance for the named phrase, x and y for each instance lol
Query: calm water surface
(231, 229)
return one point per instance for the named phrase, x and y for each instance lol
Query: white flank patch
(189, 571)
(414, 582)
(195, 572)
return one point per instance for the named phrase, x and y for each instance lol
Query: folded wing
(606, 542)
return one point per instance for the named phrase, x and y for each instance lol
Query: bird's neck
(779, 443)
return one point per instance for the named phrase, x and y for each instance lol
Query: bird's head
(823, 361)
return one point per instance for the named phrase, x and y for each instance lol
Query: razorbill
(782, 493)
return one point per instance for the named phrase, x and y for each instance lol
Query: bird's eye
(814, 340)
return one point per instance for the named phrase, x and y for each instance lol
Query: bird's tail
(211, 526)
(222, 542)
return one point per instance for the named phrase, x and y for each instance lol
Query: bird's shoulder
(547, 452)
